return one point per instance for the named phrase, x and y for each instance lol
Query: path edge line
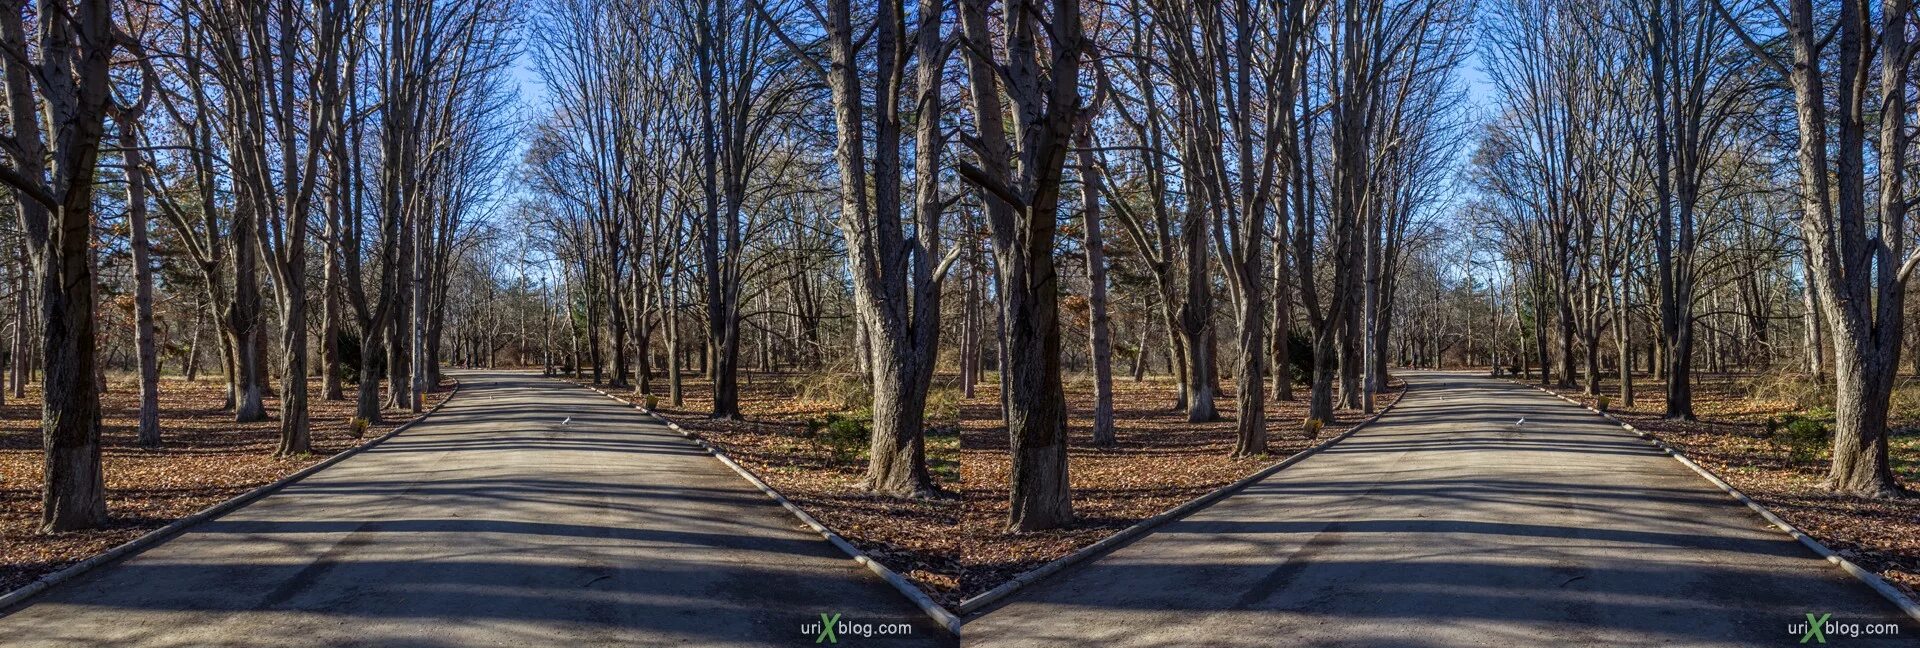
(18, 598)
(989, 597)
(947, 620)
(1864, 575)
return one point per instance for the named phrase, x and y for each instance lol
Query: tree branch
(38, 192)
(989, 184)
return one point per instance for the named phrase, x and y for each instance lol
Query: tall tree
(63, 77)
(742, 90)
(265, 60)
(896, 272)
(1019, 173)
(127, 117)
(1856, 240)
(1099, 324)
(1694, 88)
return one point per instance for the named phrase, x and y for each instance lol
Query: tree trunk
(1320, 400)
(1591, 347)
(1023, 210)
(970, 329)
(617, 325)
(1680, 368)
(643, 356)
(1623, 341)
(1249, 380)
(149, 423)
(1176, 346)
(1371, 307)
(1351, 359)
(670, 308)
(1196, 321)
(1540, 344)
(1816, 358)
(399, 343)
(244, 319)
(73, 496)
(75, 44)
(331, 302)
(1863, 383)
(295, 437)
(22, 351)
(1100, 338)
(1140, 353)
(1565, 338)
(1861, 307)
(1282, 317)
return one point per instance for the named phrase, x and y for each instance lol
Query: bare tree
(52, 178)
(1099, 324)
(1694, 88)
(896, 272)
(1856, 241)
(1021, 182)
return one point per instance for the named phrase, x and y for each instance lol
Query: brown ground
(205, 459)
(1730, 438)
(958, 547)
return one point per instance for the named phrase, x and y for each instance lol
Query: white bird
(566, 420)
(1522, 421)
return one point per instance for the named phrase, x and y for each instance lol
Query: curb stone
(982, 600)
(16, 599)
(1871, 579)
(946, 619)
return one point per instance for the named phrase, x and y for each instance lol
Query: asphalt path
(527, 512)
(1448, 524)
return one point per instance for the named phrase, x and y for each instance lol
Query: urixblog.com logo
(830, 629)
(1816, 629)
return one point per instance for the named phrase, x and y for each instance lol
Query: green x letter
(827, 635)
(1816, 628)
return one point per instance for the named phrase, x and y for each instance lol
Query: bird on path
(1522, 421)
(566, 420)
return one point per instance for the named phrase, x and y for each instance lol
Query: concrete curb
(17, 598)
(984, 599)
(946, 619)
(1873, 580)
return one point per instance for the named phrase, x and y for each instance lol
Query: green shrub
(1805, 438)
(846, 436)
(1602, 402)
(653, 402)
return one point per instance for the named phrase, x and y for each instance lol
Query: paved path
(1444, 525)
(490, 524)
